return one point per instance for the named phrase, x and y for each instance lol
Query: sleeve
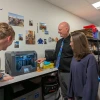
(70, 87)
(52, 57)
(91, 87)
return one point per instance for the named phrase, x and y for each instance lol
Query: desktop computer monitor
(49, 53)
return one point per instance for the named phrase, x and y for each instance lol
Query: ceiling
(81, 8)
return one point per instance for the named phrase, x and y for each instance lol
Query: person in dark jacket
(83, 83)
(65, 57)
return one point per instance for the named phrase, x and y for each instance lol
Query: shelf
(96, 52)
(93, 40)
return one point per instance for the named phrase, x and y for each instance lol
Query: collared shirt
(66, 55)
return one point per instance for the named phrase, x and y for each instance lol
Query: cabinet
(9, 91)
(24, 90)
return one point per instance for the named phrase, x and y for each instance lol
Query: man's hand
(7, 77)
(40, 60)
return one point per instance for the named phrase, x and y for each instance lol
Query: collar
(67, 39)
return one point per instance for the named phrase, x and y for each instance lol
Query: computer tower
(20, 62)
(49, 52)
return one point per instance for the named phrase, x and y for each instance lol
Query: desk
(27, 76)
(22, 78)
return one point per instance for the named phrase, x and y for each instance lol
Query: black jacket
(66, 55)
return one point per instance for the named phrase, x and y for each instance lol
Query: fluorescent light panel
(96, 5)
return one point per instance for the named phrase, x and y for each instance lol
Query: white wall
(38, 11)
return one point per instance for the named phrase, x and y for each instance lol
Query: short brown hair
(80, 45)
(6, 30)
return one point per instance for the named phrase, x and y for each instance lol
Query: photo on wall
(16, 44)
(43, 26)
(1, 8)
(40, 41)
(20, 36)
(37, 28)
(46, 32)
(15, 20)
(50, 39)
(45, 41)
(30, 37)
(56, 39)
(30, 22)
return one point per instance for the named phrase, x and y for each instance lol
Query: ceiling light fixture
(96, 5)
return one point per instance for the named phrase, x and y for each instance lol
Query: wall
(38, 11)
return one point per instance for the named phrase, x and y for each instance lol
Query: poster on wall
(30, 37)
(56, 39)
(20, 37)
(43, 26)
(16, 44)
(15, 20)
(45, 41)
(40, 41)
(50, 39)
(46, 32)
(30, 22)
(37, 28)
